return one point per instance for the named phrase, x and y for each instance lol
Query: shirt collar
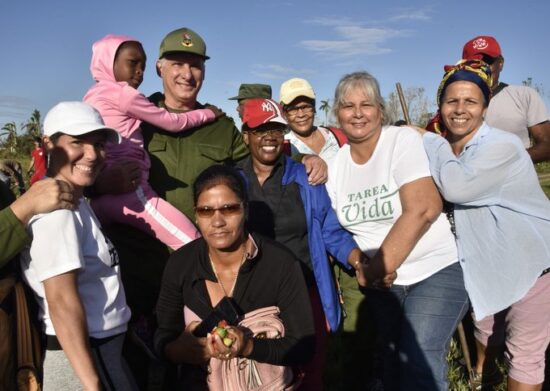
(481, 132)
(277, 172)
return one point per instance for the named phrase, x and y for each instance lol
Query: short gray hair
(366, 83)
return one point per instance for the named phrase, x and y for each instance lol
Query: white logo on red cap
(267, 106)
(480, 44)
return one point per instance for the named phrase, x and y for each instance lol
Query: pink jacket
(124, 108)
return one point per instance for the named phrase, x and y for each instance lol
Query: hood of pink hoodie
(103, 56)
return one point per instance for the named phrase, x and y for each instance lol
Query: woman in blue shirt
(502, 221)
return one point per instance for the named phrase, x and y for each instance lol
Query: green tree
(325, 107)
(10, 130)
(33, 125)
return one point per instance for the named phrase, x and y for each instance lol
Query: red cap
(475, 48)
(257, 112)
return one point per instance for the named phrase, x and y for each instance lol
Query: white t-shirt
(515, 109)
(328, 151)
(66, 240)
(366, 200)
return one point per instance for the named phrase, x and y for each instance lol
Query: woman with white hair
(381, 188)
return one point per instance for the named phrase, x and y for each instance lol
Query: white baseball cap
(293, 88)
(76, 119)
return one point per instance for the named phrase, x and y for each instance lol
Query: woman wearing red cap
(285, 207)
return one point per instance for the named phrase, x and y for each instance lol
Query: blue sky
(46, 45)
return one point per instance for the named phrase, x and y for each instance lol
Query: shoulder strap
(499, 88)
(287, 148)
(340, 136)
(28, 347)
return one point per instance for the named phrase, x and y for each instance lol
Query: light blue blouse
(502, 215)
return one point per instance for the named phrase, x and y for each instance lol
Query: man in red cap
(517, 109)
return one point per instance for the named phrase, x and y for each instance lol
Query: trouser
(146, 211)
(107, 354)
(526, 328)
(415, 324)
(313, 371)
(350, 350)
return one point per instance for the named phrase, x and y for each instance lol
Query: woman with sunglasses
(502, 223)
(228, 262)
(285, 207)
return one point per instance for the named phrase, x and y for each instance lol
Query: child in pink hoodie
(118, 63)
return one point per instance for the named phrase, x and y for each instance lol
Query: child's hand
(217, 111)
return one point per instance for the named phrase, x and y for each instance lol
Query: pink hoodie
(124, 108)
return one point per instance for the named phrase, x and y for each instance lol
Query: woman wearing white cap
(72, 268)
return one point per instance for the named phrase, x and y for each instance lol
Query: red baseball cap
(475, 48)
(257, 112)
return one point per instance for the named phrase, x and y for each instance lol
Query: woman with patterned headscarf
(502, 221)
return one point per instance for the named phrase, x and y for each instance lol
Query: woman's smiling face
(76, 159)
(462, 109)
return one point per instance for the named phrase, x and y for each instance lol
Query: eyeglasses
(226, 210)
(261, 133)
(293, 110)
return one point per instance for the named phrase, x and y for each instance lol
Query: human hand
(198, 349)
(316, 168)
(120, 178)
(216, 110)
(242, 345)
(44, 196)
(220, 344)
(385, 282)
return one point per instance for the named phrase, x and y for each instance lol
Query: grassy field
(543, 169)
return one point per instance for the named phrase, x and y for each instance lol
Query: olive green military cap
(249, 91)
(183, 40)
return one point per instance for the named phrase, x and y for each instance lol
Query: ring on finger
(227, 355)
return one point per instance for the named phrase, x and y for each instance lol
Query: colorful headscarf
(475, 71)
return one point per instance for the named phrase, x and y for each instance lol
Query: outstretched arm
(421, 205)
(141, 108)
(42, 197)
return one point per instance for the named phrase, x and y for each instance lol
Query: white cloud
(354, 40)
(15, 108)
(418, 15)
(278, 72)
(336, 21)
(351, 38)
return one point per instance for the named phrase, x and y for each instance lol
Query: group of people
(259, 241)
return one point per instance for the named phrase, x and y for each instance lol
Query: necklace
(245, 254)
